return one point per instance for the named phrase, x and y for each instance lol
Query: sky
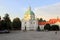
(45, 9)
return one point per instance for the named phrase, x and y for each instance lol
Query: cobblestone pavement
(30, 35)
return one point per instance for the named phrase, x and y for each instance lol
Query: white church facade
(29, 22)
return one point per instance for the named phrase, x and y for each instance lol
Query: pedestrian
(56, 32)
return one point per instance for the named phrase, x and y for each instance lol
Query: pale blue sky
(17, 8)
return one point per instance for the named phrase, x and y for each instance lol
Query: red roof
(54, 21)
(51, 21)
(41, 23)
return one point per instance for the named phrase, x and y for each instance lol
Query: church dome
(29, 14)
(29, 11)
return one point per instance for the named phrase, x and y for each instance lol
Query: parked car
(4, 31)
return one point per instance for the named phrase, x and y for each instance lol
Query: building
(51, 22)
(41, 25)
(29, 22)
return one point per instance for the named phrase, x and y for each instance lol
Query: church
(29, 22)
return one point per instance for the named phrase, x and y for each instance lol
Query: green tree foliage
(16, 24)
(47, 27)
(41, 20)
(54, 27)
(0, 24)
(38, 28)
(3, 25)
(7, 21)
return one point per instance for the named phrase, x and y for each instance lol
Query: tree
(3, 25)
(16, 23)
(54, 27)
(47, 27)
(0, 23)
(41, 20)
(7, 21)
(38, 28)
(44, 20)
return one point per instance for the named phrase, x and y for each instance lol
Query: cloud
(47, 12)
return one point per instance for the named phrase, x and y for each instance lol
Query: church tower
(29, 21)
